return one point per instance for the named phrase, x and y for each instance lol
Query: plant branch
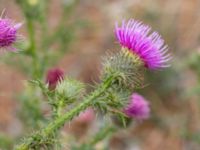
(60, 121)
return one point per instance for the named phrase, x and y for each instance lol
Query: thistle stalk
(59, 122)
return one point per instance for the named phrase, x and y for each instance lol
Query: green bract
(70, 89)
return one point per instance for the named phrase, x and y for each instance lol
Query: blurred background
(85, 33)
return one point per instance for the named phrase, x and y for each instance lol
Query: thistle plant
(122, 73)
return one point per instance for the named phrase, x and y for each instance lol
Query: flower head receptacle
(128, 67)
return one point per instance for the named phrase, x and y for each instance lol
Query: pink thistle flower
(148, 46)
(8, 33)
(53, 77)
(138, 107)
(87, 116)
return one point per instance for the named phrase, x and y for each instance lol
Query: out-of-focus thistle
(122, 74)
(138, 107)
(86, 117)
(8, 34)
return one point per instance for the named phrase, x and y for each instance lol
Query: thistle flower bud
(128, 66)
(149, 47)
(70, 89)
(53, 77)
(138, 107)
(8, 33)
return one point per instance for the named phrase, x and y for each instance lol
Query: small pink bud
(53, 77)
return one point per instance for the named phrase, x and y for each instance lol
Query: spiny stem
(59, 109)
(59, 122)
(31, 33)
(74, 112)
(32, 48)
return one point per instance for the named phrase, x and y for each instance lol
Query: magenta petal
(18, 25)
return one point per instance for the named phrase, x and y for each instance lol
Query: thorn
(3, 13)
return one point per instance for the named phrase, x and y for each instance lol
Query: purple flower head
(138, 107)
(8, 33)
(53, 77)
(149, 47)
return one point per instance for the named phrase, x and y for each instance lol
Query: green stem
(59, 122)
(59, 109)
(32, 48)
(62, 23)
(31, 33)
